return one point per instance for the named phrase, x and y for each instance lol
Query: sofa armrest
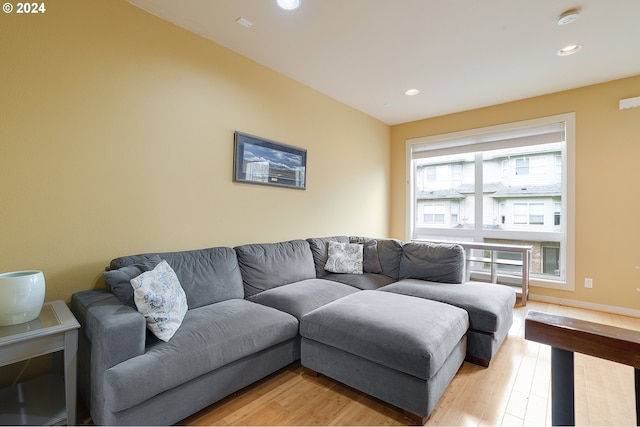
(110, 333)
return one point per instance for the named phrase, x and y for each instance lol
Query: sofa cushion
(161, 300)
(389, 254)
(319, 250)
(119, 280)
(489, 306)
(411, 335)
(344, 258)
(437, 262)
(210, 337)
(269, 265)
(299, 298)
(206, 275)
(366, 281)
(370, 257)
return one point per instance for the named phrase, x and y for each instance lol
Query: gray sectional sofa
(399, 331)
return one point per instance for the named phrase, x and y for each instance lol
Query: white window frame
(557, 213)
(472, 137)
(431, 173)
(457, 174)
(557, 164)
(434, 209)
(455, 213)
(536, 210)
(505, 168)
(521, 213)
(537, 165)
(527, 160)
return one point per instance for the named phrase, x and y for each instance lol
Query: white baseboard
(588, 305)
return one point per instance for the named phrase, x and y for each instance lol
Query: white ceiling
(460, 54)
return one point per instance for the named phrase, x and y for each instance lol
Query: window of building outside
(507, 184)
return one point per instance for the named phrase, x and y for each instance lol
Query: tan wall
(116, 137)
(607, 227)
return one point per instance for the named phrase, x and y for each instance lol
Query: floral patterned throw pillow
(160, 298)
(344, 258)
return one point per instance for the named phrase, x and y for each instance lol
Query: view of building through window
(507, 195)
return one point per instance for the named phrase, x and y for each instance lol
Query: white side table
(40, 401)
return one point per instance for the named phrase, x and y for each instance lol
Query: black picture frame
(261, 161)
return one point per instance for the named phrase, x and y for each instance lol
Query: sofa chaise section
(436, 272)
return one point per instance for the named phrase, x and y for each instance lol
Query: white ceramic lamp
(21, 296)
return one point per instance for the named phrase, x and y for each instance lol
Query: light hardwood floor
(513, 391)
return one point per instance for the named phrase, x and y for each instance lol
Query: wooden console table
(524, 263)
(566, 336)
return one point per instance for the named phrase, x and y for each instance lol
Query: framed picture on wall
(262, 161)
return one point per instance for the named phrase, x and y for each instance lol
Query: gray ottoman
(400, 349)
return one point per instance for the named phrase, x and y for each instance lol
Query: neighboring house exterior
(521, 193)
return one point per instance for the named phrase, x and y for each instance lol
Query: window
(520, 213)
(536, 213)
(539, 164)
(457, 174)
(437, 173)
(522, 166)
(528, 213)
(550, 259)
(433, 213)
(510, 183)
(431, 173)
(455, 213)
(510, 256)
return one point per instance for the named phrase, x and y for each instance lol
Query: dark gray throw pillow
(371, 261)
(119, 281)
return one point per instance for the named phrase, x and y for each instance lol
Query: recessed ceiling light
(289, 4)
(569, 50)
(244, 22)
(412, 92)
(568, 17)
